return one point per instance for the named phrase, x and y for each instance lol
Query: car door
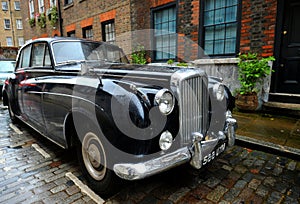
(30, 92)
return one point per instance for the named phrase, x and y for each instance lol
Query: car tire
(93, 160)
(12, 115)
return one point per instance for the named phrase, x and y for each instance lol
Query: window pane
(231, 13)
(209, 33)
(220, 26)
(26, 57)
(165, 41)
(209, 4)
(220, 16)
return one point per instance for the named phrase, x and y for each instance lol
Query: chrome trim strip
(132, 171)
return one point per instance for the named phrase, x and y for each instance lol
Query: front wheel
(12, 115)
(93, 160)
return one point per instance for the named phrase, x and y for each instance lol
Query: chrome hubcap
(93, 155)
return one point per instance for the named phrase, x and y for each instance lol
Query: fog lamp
(165, 140)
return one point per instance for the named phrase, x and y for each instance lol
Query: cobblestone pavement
(33, 170)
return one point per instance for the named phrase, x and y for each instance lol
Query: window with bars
(4, 6)
(19, 24)
(6, 24)
(87, 32)
(17, 6)
(165, 40)
(220, 27)
(108, 32)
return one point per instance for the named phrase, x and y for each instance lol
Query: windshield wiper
(70, 62)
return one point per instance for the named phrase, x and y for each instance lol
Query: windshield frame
(83, 57)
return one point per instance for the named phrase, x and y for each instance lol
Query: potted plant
(31, 22)
(41, 20)
(53, 16)
(252, 70)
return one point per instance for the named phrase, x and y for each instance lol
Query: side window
(38, 52)
(47, 57)
(40, 55)
(24, 60)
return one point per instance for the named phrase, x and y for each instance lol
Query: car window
(25, 57)
(38, 53)
(47, 57)
(7, 66)
(70, 51)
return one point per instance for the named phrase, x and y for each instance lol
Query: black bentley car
(126, 121)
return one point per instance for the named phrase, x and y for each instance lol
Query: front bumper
(197, 154)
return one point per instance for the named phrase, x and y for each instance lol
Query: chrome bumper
(195, 154)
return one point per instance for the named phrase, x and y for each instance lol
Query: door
(288, 71)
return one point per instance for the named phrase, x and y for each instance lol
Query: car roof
(57, 39)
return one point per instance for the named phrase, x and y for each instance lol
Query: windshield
(7, 66)
(75, 51)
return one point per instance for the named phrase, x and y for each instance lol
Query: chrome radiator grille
(193, 101)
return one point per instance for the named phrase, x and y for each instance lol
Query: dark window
(71, 33)
(6, 24)
(68, 2)
(108, 32)
(220, 27)
(87, 32)
(165, 40)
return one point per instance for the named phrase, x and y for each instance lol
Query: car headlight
(219, 91)
(165, 100)
(165, 140)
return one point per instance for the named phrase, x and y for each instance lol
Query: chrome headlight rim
(219, 91)
(160, 99)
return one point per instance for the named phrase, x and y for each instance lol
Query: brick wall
(188, 27)
(258, 26)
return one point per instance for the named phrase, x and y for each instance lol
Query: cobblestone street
(34, 170)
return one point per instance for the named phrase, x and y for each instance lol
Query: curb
(268, 147)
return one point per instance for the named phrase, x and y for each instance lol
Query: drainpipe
(60, 18)
(12, 24)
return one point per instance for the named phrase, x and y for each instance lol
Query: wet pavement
(276, 132)
(34, 170)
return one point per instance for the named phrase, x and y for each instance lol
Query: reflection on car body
(127, 121)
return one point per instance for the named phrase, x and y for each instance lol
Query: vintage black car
(127, 121)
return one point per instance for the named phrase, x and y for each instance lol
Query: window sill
(216, 61)
(68, 6)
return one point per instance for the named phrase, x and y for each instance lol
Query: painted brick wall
(258, 26)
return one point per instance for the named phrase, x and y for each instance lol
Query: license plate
(211, 156)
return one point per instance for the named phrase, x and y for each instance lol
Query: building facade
(210, 33)
(11, 27)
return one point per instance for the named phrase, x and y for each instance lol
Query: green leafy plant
(53, 16)
(41, 20)
(139, 55)
(31, 22)
(252, 70)
(182, 64)
(170, 61)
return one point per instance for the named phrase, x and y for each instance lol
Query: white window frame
(4, 7)
(5, 25)
(41, 6)
(52, 3)
(9, 41)
(19, 7)
(21, 41)
(31, 8)
(19, 24)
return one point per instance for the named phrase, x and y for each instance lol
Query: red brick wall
(258, 26)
